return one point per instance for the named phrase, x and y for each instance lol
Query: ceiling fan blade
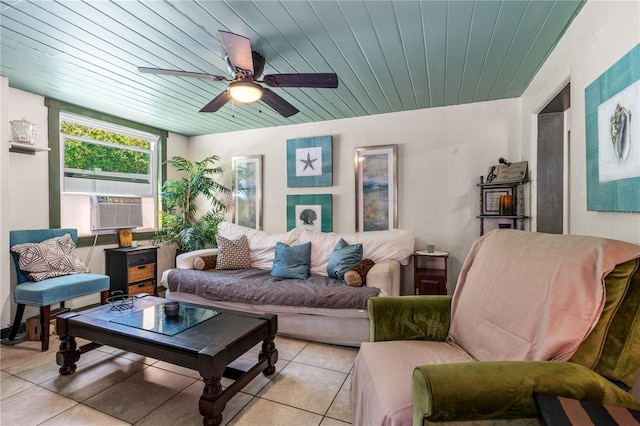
(217, 102)
(238, 50)
(278, 103)
(320, 80)
(181, 73)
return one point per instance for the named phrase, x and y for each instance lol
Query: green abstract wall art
(612, 116)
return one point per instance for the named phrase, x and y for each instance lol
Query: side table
(132, 269)
(430, 272)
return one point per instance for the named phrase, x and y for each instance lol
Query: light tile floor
(112, 387)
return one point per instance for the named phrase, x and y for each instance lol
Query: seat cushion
(54, 290)
(381, 388)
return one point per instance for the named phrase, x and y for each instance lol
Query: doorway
(553, 135)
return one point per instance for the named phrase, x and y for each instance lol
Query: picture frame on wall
(376, 188)
(310, 211)
(491, 197)
(246, 190)
(613, 158)
(309, 162)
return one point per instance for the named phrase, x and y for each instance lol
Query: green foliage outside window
(89, 156)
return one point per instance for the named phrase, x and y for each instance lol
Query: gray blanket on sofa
(257, 286)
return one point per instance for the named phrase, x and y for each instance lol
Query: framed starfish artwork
(309, 162)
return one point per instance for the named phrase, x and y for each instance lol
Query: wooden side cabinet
(132, 270)
(430, 272)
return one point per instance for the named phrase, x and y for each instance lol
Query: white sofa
(349, 327)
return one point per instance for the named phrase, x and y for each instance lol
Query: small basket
(120, 301)
(23, 131)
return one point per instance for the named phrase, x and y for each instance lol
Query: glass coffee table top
(154, 319)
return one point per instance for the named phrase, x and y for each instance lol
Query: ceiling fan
(246, 66)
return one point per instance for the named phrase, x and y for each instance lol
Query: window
(101, 158)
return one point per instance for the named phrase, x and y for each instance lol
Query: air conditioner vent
(114, 212)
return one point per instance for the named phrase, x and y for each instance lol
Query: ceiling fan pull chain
(233, 108)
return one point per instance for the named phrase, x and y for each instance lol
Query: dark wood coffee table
(214, 338)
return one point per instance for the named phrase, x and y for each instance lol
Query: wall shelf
(488, 212)
(22, 148)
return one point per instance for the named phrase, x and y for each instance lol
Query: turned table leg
(68, 353)
(209, 405)
(271, 353)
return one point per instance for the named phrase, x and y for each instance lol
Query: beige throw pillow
(233, 254)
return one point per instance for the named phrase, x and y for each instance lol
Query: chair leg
(45, 316)
(16, 321)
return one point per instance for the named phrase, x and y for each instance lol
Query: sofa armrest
(409, 318)
(185, 260)
(386, 277)
(504, 389)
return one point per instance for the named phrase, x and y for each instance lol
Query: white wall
(441, 154)
(24, 194)
(602, 33)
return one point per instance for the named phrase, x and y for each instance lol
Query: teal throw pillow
(343, 258)
(292, 261)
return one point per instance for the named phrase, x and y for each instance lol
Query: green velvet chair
(603, 369)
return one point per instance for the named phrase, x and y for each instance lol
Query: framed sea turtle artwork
(310, 211)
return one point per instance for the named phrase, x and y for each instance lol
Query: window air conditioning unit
(115, 212)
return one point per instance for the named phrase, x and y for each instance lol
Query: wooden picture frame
(125, 237)
(310, 211)
(309, 162)
(246, 190)
(376, 188)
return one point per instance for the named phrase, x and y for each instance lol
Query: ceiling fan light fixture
(245, 91)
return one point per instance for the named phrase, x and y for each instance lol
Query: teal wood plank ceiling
(390, 56)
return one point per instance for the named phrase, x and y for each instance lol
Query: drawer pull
(142, 266)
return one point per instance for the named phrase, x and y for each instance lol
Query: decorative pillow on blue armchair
(292, 261)
(50, 258)
(343, 258)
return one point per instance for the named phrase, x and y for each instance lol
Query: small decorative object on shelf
(23, 131)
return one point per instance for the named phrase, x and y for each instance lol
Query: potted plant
(179, 223)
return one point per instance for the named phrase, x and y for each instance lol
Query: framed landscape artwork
(309, 162)
(310, 211)
(246, 183)
(613, 137)
(376, 188)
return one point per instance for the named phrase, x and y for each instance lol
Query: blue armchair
(51, 290)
